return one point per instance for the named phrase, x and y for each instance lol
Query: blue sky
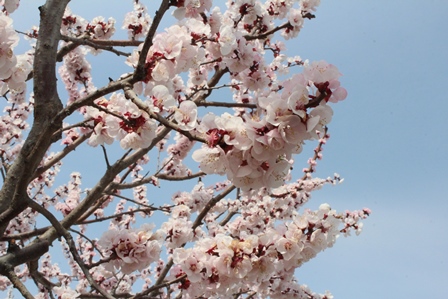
(388, 140)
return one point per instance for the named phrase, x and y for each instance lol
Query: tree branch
(61, 155)
(158, 286)
(18, 284)
(47, 104)
(140, 72)
(71, 244)
(211, 204)
(166, 177)
(227, 105)
(267, 33)
(107, 45)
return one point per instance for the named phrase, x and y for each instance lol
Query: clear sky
(388, 140)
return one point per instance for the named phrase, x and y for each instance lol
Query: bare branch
(63, 51)
(267, 33)
(105, 156)
(99, 44)
(133, 201)
(211, 204)
(228, 218)
(61, 155)
(143, 210)
(25, 235)
(159, 176)
(227, 105)
(166, 177)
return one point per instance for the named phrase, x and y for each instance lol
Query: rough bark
(13, 195)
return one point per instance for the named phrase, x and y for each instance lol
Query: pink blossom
(100, 29)
(212, 160)
(186, 115)
(132, 250)
(227, 40)
(137, 22)
(20, 73)
(65, 292)
(162, 100)
(9, 39)
(241, 226)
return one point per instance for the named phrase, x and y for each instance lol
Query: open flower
(186, 115)
(131, 250)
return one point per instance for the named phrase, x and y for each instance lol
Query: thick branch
(24, 255)
(47, 104)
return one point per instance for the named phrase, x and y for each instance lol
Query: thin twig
(71, 244)
(105, 156)
(143, 210)
(62, 154)
(267, 33)
(211, 204)
(227, 105)
(167, 177)
(93, 44)
(133, 201)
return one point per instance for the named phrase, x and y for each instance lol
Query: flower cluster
(124, 121)
(14, 69)
(133, 249)
(137, 22)
(76, 26)
(256, 261)
(213, 95)
(255, 151)
(71, 194)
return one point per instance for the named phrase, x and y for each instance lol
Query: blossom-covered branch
(168, 195)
